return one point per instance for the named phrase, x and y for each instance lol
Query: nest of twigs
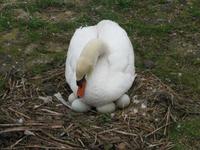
(31, 117)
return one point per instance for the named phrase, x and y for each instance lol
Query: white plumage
(114, 71)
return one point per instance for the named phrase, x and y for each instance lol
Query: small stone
(112, 115)
(36, 106)
(55, 47)
(174, 34)
(143, 114)
(149, 64)
(122, 146)
(178, 126)
(154, 91)
(20, 120)
(135, 111)
(136, 101)
(30, 48)
(143, 106)
(27, 132)
(179, 74)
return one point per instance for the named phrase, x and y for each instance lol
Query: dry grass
(30, 122)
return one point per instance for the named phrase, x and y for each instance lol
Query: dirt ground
(165, 101)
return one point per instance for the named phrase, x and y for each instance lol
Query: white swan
(100, 67)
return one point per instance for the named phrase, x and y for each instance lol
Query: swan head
(83, 68)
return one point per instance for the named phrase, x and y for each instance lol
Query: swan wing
(121, 57)
(80, 38)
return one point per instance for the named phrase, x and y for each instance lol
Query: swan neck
(93, 50)
(89, 57)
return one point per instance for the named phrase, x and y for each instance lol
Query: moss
(39, 69)
(5, 23)
(145, 29)
(123, 4)
(193, 10)
(104, 118)
(59, 57)
(186, 134)
(50, 3)
(2, 84)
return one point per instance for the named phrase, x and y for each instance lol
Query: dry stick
(83, 145)
(178, 96)
(34, 147)
(7, 115)
(30, 124)
(17, 142)
(23, 85)
(52, 112)
(48, 78)
(167, 121)
(95, 139)
(69, 127)
(52, 76)
(18, 129)
(125, 133)
(36, 128)
(5, 94)
(19, 113)
(109, 130)
(157, 130)
(153, 145)
(59, 140)
(54, 142)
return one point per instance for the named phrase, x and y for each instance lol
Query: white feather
(113, 74)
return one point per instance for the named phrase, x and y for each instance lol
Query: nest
(31, 117)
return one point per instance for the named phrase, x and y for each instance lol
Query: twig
(109, 130)
(15, 129)
(59, 140)
(167, 120)
(157, 130)
(36, 147)
(53, 142)
(23, 85)
(17, 142)
(52, 112)
(95, 139)
(19, 113)
(53, 74)
(31, 124)
(81, 142)
(125, 133)
(154, 145)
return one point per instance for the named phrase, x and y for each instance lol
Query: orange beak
(81, 88)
